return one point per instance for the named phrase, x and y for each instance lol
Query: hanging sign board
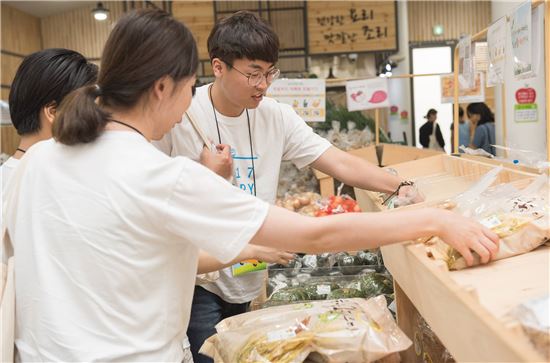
(367, 94)
(306, 96)
(520, 31)
(496, 42)
(351, 26)
(475, 94)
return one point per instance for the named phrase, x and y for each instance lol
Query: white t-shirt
(6, 171)
(106, 239)
(278, 133)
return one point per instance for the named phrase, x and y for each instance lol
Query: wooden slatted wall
(457, 17)
(20, 37)
(79, 31)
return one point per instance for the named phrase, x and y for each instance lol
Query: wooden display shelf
(500, 162)
(395, 154)
(466, 309)
(440, 177)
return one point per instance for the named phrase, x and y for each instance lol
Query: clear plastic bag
(521, 218)
(349, 330)
(534, 317)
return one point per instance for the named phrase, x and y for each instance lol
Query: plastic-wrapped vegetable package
(534, 317)
(351, 330)
(521, 218)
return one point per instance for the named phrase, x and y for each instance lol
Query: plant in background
(342, 115)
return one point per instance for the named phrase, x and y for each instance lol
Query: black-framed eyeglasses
(256, 77)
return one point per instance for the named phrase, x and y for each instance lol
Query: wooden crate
(440, 177)
(326, 182)
(396, 154)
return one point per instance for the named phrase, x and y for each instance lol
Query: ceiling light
(100, 13)
(437, 29)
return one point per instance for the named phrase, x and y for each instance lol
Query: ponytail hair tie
(98, 90)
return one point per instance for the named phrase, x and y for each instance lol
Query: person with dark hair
(244, 51)
(483, 120)
(464, 133)
(41, 82)
(106, 229)
(430, 137)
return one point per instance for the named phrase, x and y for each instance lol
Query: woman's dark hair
(44, 78)
(431, 111)
(144, 46)
(481, 109)
(243, 35)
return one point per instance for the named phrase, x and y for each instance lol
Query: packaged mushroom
(313, 205)
(350, 330)
(521, 218)
(306, 203)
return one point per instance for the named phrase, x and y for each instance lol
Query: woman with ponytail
(106, 229)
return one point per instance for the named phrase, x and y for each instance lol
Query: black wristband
(405, 183)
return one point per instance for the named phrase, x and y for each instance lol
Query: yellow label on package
(245, 267)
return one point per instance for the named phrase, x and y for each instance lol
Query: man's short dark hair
(243, 35)
(45, 78)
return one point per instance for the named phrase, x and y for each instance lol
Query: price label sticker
(282, 334)
(491, 222)
(323, 289)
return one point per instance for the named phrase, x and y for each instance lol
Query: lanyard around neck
(249, 135)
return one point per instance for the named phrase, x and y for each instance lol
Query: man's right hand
(219, 162)
(266, 254)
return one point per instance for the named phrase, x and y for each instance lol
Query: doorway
(426, 91)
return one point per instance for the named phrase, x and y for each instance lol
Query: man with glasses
(232, 110)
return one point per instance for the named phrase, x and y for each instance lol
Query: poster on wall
(525, 108)
(496, 43)
(306, 96)
(474, 94)
(367, 94)
(465, 63)
(520, 32)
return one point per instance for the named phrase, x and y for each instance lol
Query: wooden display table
(440, 177)
(466, 309)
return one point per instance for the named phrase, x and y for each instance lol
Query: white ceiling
(46, 8)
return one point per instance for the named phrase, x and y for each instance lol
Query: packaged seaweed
(350, 330)
(346, 293)
(374, 284)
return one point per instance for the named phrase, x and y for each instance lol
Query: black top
(426, 131)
